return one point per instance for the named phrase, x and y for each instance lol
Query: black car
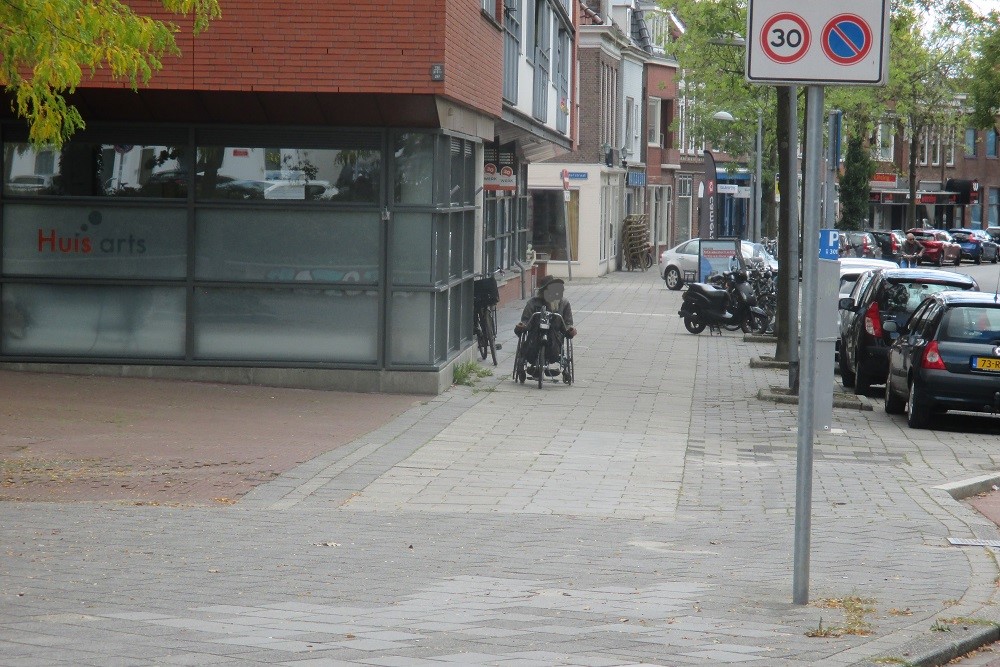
(945, 357)
(891, 295)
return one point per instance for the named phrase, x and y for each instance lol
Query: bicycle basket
(485, 292)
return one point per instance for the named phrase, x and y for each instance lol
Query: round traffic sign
(785, 37)
(847, 39)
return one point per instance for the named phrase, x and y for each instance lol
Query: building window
(991, 143)
(970, 142)
(653, 136)
(629, 124)
(489, 6)
(684, 207)
(550, 226)
(885, 144)
(949, 148)
(934, 146)
(923, 146)
(993, 215)
(609, 90)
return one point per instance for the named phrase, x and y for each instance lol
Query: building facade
(303, 201)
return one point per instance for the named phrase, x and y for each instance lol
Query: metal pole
(757, 190)
(810, 266)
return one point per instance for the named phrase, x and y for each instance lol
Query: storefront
(302, 249)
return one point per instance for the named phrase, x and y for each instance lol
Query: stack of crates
(635, 242)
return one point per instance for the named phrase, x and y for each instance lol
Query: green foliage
(984, 79)
(468, 372)
(855, 185)
(46, 48)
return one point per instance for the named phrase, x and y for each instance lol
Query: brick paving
(643, 515)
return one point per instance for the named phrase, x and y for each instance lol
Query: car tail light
(932, 358)
(895, 243)
(873, 325)
(864, 245)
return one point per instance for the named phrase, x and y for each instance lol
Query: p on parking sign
(813, 43)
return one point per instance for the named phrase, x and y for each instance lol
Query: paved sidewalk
(644, 515)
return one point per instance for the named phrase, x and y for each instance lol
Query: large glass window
(413, 175)
(991, 143)
(286, 325)
(88, 168)
(549, 225)
(289, 174)
(281, 245)
(93, 321)
(52, 239)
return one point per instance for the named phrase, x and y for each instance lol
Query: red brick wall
(334, 46)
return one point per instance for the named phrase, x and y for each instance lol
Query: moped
(735, 307)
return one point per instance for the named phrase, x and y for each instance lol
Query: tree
(984, 79)
(854, 184)
(46, 48)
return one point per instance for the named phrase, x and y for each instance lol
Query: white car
(680, 263)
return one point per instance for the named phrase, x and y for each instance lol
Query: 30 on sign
(785, 37)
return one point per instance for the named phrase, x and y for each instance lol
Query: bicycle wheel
(647, 261)
(540, 364)
(489, 333)
(481, 341)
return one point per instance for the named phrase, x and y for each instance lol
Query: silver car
(679, 264)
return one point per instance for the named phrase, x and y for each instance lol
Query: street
(643, 515)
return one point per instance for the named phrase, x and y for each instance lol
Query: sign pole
(810, 266)
(569, 257)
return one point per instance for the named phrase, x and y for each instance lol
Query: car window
(919, 317)
(689, 248)
(904, 297)
(971, 324)
(847, 284)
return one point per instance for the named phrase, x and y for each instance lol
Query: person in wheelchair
(550, 297)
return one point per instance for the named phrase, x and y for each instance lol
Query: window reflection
(162, 171)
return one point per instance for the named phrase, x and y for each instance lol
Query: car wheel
(917, 415)
(846, 374)
(894, 405)
(995, 256)
(979, 259)
(940, 259)
(673, 278)
(958, 260)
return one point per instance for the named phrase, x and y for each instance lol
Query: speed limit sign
(785, 37)
(816, 43)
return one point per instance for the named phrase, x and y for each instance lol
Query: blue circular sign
(847, 39)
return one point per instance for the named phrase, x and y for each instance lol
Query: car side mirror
(846, 303)
(892, 328)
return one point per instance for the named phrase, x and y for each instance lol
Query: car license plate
(986, 363)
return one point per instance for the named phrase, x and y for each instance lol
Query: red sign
(241, 152)
(785, 37)
(847, 39)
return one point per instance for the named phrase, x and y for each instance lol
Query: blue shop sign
(578, 175)
(829, 244)
(636, 179)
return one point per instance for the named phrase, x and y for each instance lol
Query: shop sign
(883, 181)
(498, 170)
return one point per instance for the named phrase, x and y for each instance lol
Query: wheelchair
(537, 338)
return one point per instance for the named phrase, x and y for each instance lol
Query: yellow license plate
(986, 363)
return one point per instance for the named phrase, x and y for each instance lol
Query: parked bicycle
(486, 296)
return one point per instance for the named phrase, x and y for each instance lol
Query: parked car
(976, 245)
(994, 233)
(945, 357)
(28, 184)
(890, 295)
(939, 247)
(683, 258)
(891, 242)
(858, 244)
(854, 276)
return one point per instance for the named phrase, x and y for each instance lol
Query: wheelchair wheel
(567, 375)
(540, 365)
(519, 374)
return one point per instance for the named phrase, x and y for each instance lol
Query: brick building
(303, 197)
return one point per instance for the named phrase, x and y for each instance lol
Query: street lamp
(755, 192)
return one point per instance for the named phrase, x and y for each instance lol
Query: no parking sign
(813, 43)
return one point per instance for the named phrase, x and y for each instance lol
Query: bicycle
(486, 296)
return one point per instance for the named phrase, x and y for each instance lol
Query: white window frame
(653, 120)
(886, 142)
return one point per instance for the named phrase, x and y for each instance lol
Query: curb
(840, 400)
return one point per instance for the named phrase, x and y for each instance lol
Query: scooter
(705, 305)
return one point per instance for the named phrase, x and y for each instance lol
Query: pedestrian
(911, 252)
